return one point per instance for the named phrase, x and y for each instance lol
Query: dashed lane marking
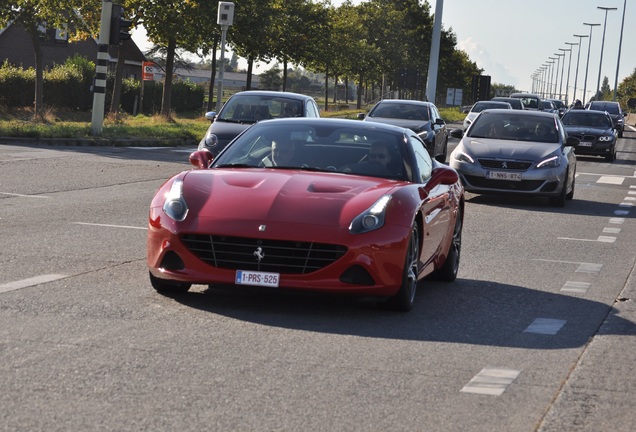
(547, 326)
(589, 268)
(12, 286)
(611, 180)
(491, 381)
(110, 226)
(23, 196)
(576, 287)
(600, 239)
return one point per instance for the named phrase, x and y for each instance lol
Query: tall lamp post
(559, 55)
(587, 64)
(544, 79)
(225, 18)
(552, 79)
(578, 57)
(600, 63)
(567, 81)
(620, 45)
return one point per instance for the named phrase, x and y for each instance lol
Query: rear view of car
(615, 112)
(480, 106)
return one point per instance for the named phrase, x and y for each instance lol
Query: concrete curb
(97, 141)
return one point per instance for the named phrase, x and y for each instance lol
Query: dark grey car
(245, 108)
(615, 112)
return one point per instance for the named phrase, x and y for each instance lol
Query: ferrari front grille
(240, 253)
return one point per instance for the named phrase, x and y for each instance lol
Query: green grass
(184, 127)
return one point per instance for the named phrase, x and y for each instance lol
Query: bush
(17, 86)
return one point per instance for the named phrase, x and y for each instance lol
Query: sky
(511, 39)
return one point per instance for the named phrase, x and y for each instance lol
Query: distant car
(353, 207)
(515, 103)
(559, 106)
(423, 118)
(595, 130)
(479, 107)
(243, 109)
(530, 101)
(524, 153)
(547, 106)
(614, 110)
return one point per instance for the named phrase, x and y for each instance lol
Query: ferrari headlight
(551, 162)
(461, 156)
(372, 218)
(175, 206)
(605, 138)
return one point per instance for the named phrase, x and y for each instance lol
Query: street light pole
(552, 80)
(559, 55)
(600, 63)
(567, 81)
(620, 45)
(578, 58)
(587, 64)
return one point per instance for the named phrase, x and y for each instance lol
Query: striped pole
(99, 88)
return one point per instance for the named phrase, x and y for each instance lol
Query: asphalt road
(537, 334)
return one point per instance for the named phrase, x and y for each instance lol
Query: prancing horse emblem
(259, 254)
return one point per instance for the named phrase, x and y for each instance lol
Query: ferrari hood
(281, 195)
(508, 149)
(414, 125)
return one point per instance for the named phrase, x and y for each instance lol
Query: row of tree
(371, 44)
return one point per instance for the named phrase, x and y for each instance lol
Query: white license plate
(503, 175)
(585, 144)
(255, 278)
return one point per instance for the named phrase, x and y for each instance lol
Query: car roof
(273, 93)
(404, 101)
(334, 122)
(523, 113)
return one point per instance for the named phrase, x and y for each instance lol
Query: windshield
(252, 108)
(480, 106)
(400, 111)
(586, 118)
(499, 126)
(610, 108)
(344, 149)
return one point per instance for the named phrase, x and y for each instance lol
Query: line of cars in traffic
(282, 199)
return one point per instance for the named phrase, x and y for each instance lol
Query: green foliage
(16, 86)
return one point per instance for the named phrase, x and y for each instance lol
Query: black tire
(448, 271)
(442, 157)
(405, 297)
(612, 156)
(559, 200)
(570, 194)
(164, 286)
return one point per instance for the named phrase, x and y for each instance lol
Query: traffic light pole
(219, 97)
(101, 69)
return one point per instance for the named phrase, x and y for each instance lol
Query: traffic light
(119, 27)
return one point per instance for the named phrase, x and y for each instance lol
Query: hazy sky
(511, 39)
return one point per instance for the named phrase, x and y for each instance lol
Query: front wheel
(559, 200)
(405, 297)
(448, 271)
(164, 286)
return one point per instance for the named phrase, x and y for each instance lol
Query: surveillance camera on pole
(225, 18)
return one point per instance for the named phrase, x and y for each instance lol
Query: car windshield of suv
(499, 126)
(253, 108)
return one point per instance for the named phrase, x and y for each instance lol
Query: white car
(480, 106)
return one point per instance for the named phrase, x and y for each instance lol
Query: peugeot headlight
(175, 206)
(461, 156)
(372, 218)
(605, 138)
(551, 162)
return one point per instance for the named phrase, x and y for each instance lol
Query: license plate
(255, 278)
(503, 175)
(585, 144)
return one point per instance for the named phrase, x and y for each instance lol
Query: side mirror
(361, 116)
(210, 115)
(457, 133)
(440, 121)
(201, 159)
(443, 175)
(572, 142)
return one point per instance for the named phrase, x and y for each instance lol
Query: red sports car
(329, 205)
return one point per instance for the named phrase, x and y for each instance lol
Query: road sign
(148, 71)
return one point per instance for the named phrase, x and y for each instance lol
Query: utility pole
(433, 61)
(101, 69)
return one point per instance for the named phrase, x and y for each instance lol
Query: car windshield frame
(325, 147)
(587, 118)
(250, 108)
(400, 110)
(515, 127)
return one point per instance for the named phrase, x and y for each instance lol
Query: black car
(595, 131)
(515, 103)
(421, 117)
(615, 112)
(243, 109)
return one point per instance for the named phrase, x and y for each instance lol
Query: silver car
(517, 152)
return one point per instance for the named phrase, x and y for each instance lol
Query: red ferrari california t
(328, 205)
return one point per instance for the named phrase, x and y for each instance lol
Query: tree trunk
(326, 88)
(335, 89)
(250, 66)
(285, 74)
(211, 104)
(167, 83)
(359, 102)
(39, 77)
(119, 72)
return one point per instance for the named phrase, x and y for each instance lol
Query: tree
(80, 18)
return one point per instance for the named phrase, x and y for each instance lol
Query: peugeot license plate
(255, 278)
(504, 175)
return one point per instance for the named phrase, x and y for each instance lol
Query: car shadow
(467, 311)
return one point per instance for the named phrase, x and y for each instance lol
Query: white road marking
(629, 198)
(24, 196)
(491, 381)
(589, 268)
(609, 230)
(547, 326)
(617, 220)
(631, 192)
(621, 212)
(110, 226)
(600, 239)
(611, 180)
(576, 287)
(626, 204)
(15, 285)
